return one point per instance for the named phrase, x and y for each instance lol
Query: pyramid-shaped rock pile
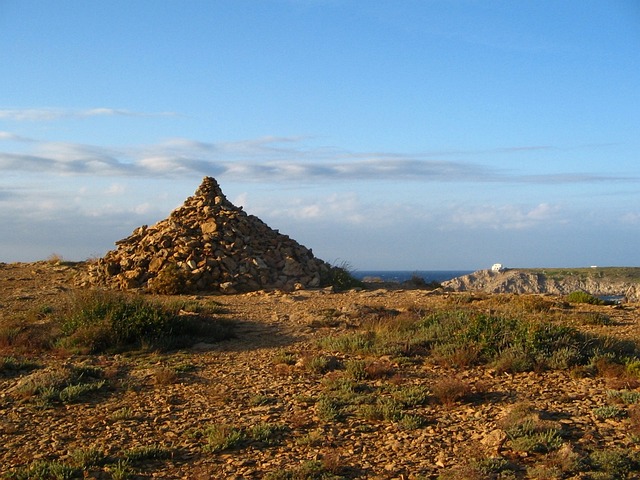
(210, 245)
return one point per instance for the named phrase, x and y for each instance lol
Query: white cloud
(14, 137)
(263, 160)
(115, 189)
(505, 217)
(49, 114)
(631, 218)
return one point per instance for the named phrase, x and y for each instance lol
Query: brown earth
(246, 382)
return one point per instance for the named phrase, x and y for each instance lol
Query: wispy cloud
(269, 159)
(505, 217)
(49, 114)
(14, 137)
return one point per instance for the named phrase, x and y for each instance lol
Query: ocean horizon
(403, 275)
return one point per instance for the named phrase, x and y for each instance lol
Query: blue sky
(388, 134)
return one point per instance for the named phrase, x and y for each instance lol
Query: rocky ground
(162, 414)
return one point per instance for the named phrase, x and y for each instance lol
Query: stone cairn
(210, 245)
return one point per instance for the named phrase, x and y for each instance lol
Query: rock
(526, 281)
(494, 440)
(208, 244)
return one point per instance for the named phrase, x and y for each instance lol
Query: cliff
(597, 281)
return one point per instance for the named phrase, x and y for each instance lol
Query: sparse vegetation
(98, 321)
(10, 366)
(149, 452)
(88, 457)
(528, 432)
(43, 469)
(66, 384)
(614, 463)
(487, 387)
(221, 437)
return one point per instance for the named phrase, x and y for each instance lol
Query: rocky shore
(519, 281)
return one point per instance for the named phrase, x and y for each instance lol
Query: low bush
(609, 411)
(448, 391)
(149, 452)
(329, 408)
(308, 470)
(614, 463)
(580, 296)
(43, 469)
(65, 384)
(460, 338)
(13, 366)
(267, 433)
(625, 397)
(527, 432)
(340, 278)
(221, 437)
(88, 457)
(98, 321)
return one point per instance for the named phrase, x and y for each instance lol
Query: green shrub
(73, 393)
(517, 344)
(411, 395)
(283, 357)
(527, 432)
(626, 397)
(89, 457)
(221, 437)
(340, 278)
(320, 363)
(150, 452)
(124, 413)
(329, 408)
(356, 369)
(42, 469)
(615, 463)
(580, 296)
(459, 338)
(108, 320)
(98, 321)
(266, 433)
(609, 411)
(121, 470)
(357, 342)
(66, 384)
(537, 442)
(411, 422)
(308, 470)
(14, 365)
(384, 408)
(597, 318)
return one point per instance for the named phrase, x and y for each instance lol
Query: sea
(403, 275)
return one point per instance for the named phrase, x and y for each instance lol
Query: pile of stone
(211, 246)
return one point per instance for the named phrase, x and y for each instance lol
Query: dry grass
(449, 391)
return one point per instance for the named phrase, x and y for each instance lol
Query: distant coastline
(400, 276)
